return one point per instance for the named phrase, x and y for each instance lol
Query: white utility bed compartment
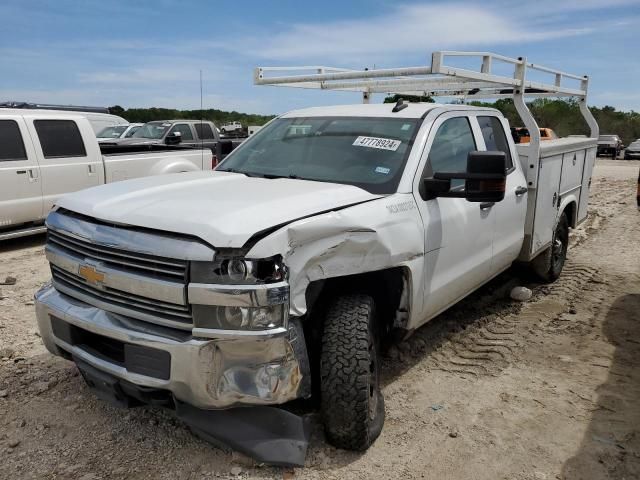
(562, 173)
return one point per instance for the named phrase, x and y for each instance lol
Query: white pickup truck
(283, 273)
(45, 154)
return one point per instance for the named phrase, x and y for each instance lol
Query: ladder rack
(442, 80)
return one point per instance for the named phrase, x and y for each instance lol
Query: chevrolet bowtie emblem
(90, 274)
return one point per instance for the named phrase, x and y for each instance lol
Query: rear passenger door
(510, 213)
(20, 186)
(66, 163)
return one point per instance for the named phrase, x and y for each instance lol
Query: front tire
(548, 265)
(351, 403)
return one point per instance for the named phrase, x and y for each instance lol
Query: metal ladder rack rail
(441, 79)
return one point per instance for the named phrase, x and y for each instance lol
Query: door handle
(21, 172)
(521, 191)
(486, 206)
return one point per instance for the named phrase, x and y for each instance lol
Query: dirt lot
(492, 389)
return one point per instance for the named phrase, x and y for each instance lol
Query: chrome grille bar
(139, 264)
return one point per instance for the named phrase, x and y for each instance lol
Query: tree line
(563, 116)
(219, 117)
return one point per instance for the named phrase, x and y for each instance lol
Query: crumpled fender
(383, 233)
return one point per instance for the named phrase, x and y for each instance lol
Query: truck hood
(224, 209)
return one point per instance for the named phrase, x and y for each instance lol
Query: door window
(184, 129)
(494, 137)
(451, 146)
(11, 141)
(60, 138)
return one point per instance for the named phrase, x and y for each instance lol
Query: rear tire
(548, 265)
(351, 402)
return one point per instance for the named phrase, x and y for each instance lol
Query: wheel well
(571, 212)
(389, 288)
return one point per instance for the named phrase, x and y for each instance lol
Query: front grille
(122, 302)
(134, 279)
(139, 263)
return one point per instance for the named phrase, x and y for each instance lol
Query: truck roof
(26, 112)
(413, 110)
(180, 120)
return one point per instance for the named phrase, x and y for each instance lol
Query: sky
(150, 53)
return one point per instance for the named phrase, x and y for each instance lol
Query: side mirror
(485, 179)
(173, 138)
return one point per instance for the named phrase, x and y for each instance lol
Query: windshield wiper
(291, 175)
(246, 174)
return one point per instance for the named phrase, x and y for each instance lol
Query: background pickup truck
(609, 145)
(115, 132)
(343, 227)
(47, 154)
(187, 133)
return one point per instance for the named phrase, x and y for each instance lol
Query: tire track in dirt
(490, 345)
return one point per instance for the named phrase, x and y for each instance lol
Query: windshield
(152, 130)
(111, 132)
(366, 152)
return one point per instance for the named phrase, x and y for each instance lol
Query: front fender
(364, 238)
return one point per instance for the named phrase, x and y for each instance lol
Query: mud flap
(267, 434)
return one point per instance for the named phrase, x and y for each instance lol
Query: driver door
(458, 233)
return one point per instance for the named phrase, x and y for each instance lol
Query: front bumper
(208, 373)
(607, 150)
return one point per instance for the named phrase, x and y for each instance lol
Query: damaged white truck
(279, 275)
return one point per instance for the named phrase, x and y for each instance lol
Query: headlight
(255, 295)
(236, 269)
(240, 318)
(239, 271)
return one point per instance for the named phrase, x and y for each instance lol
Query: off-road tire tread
(344, 374)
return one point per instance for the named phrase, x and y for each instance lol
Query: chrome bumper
(224, 370)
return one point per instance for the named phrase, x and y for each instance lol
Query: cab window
(204, 132)
(11, 141)
(184, 129)
(60, 138)
(451, 146)
(495, 138)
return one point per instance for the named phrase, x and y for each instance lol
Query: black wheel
(351, 403)
(548, 265)
(627, 157)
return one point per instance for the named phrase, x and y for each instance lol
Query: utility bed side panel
(546, 201)
(564, 170)
(572, 166)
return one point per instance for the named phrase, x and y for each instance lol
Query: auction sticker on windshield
(380, 143)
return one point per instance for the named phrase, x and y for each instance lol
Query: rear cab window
(204, 131)
(60, 138)
(11, 141)
(494, 137)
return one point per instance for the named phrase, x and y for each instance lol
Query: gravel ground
(491, 389)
